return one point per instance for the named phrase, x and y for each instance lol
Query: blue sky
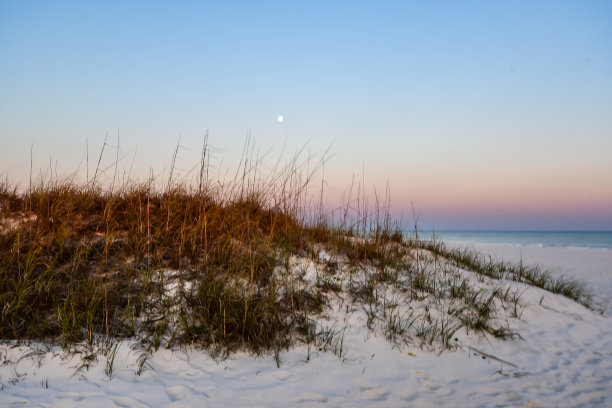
(485, 115)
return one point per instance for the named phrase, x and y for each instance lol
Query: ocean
(567, 239)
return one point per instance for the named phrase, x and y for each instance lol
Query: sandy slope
(562, 358)
(591, 266)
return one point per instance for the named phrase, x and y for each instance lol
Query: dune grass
(78, 261)
(210, 263)
(532, 275)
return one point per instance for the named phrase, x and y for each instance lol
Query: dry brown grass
(195, 263)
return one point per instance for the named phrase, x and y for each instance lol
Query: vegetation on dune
(78, 262)
(532, 275)
(214, 264)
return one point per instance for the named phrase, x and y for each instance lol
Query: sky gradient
(485, 115)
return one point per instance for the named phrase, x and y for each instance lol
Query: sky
(482, 115)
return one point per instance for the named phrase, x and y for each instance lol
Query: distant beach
(567, 239)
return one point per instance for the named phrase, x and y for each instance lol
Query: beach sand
(562, 358)
(593, 267)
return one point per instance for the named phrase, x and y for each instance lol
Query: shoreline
(542, 239)
(459, 243)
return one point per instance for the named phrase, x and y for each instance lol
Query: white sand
(562, 359)
(593, 267)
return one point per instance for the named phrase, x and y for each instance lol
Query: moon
(280, 118)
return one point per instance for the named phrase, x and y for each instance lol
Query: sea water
(567, 239)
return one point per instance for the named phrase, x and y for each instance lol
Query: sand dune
(561, 358)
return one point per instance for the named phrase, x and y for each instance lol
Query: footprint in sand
(591, 360)
(431, 386)
(282, 375)
(375, 394)
(75, 396)
(364, 385)
(127, 402)
(208, 392)
(28, 393)
(444, 391)
(513, 396)
(408, 394)
(178, 393)
(311, 397)
(372, 392)
(15, 402)
(437, 389)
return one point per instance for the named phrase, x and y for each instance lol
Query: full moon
(280, 118)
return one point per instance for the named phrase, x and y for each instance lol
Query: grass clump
(240, 264)
(177, 264)
(532, 275)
